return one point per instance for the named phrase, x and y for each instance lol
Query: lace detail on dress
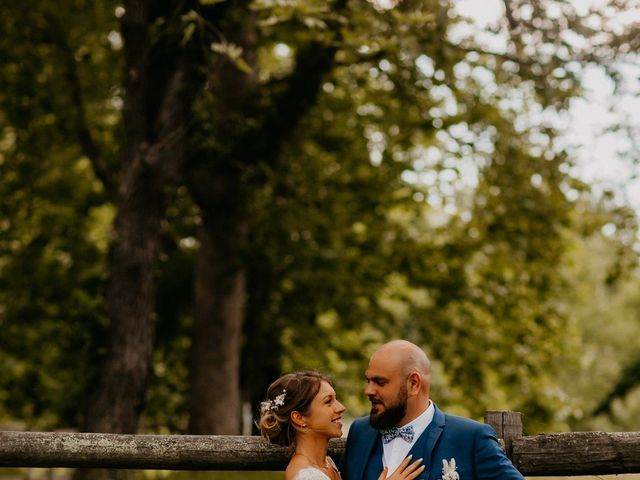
(311, 473)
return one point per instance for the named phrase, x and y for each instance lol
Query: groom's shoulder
(456, 422)
(361, 422)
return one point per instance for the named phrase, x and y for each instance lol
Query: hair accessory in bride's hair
(272, 405)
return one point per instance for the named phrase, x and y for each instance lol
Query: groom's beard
(392, 414)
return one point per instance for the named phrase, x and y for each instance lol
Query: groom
(404, 421)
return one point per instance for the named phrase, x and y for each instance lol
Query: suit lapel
(365, 449)
(433, 432)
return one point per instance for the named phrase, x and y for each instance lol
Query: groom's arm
(490, 460)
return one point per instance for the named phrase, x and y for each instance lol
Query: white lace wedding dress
(311, 473)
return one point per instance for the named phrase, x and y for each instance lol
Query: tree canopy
(201, 195)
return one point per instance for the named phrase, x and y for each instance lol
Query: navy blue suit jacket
(474, 446)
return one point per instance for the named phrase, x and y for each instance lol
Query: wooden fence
(564, 454)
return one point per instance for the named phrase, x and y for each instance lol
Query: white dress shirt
(397, 449)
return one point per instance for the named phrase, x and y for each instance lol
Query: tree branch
(80, 125)
(299, 92)
(135, 25)
(513, 23)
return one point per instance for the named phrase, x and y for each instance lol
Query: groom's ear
(414, 383)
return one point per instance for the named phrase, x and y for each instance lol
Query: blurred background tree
(200, 195)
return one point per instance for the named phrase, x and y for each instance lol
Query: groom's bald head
(406, 357)
(398, 380)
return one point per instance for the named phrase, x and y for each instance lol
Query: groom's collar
(438, 416)
(422, 421)
(370, 435)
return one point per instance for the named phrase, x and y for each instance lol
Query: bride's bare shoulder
(296, 464)
(299, 468)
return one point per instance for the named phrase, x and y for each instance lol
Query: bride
(302, 412)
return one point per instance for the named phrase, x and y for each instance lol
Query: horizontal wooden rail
(578, 453)
(166, 452)
(567, 454)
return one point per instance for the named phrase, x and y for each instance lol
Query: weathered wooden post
(508, 426)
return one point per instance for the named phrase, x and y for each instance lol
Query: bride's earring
(298, 421)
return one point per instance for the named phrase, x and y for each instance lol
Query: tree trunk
(118, 399)
(217, 337)
(149, 176)
(220, 188)
(262, 347)
(153, 153)
(216, 184)
(119, 396)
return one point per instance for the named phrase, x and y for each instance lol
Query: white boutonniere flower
(449, 470)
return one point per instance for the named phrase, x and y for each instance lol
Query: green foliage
(418, 193)
(606, 312)
(55, 220)
(51, 284)
(369, 250)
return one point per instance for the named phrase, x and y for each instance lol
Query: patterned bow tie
(406, 433)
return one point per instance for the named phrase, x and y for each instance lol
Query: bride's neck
(313, 447)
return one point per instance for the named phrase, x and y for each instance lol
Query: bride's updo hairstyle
(292, 392)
